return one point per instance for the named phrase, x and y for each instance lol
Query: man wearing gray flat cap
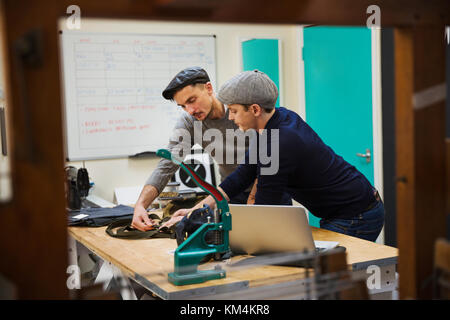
(309, 170)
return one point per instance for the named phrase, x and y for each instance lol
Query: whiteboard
(113, 87)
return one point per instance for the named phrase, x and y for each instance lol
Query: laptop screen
(262, 229)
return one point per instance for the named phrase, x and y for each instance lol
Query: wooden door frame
(35, 217)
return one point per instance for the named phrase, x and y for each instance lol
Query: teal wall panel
(262, 54)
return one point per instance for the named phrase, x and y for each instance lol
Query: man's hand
(251, 196)
(176, 217)
(141, 221)
(179, 214)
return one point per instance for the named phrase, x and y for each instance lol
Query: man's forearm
(147, 196)
(239, 180)
(251, 196)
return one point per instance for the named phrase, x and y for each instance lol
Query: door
(338, 93)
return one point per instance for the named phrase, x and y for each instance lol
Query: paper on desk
(127, 195)
(100, 201)
(326, 244)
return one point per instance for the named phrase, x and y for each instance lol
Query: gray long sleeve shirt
(221, 138)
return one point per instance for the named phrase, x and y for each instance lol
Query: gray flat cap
(191, 75)
(249, 87)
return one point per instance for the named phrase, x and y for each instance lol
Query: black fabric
(190, 223)
(122, 229)
(99, 217)
(184, 78)
(175, 205)
(241, 198)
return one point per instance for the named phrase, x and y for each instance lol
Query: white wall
(110, 174)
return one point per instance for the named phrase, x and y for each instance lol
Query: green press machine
(189, 254)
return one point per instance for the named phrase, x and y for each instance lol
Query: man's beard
(210, 112)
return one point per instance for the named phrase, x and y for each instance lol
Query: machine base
(197, 277)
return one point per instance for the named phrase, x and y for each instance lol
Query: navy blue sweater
(309, 170)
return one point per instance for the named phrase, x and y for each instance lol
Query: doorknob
(366, 155)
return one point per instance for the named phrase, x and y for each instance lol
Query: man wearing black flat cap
(192, 90)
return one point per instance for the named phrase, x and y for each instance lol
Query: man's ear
(256, 109)
(209, 88)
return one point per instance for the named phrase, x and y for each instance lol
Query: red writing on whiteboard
(120, 121)
(131, 108)
(97, 130)
(91, 123)
(117, 108)
(125, 128)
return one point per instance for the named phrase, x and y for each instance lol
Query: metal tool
(189, 254)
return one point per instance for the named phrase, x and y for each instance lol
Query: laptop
(264, 229)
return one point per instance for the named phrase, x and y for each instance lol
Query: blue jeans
(366, 225)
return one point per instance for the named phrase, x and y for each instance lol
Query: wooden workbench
(149, 261)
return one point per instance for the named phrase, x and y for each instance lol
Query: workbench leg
(126, 289)
(108, 272)
(73, 281)
(73, 252)
(105, 274)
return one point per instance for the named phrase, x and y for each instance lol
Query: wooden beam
(33, 241)
(447, 168)
(344, 12)
(330, 12)
(420, 151)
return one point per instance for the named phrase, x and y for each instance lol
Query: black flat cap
(191, 75)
